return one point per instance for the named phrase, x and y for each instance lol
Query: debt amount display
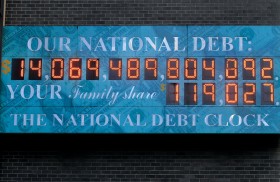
(244, 84)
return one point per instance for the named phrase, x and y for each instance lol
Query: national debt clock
(140, 79)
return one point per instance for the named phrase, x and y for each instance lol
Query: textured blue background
(265, 43)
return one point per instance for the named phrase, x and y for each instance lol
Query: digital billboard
(140, 79)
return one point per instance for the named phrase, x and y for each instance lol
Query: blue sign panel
(140, 79)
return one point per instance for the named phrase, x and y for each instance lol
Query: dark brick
(142, 12)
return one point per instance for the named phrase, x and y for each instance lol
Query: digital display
(267, 94)
(35, 69)
(18, 69)
(208, 72)
(115, 69)
(172, 69)
(190, 69)
(140, 79)
(266, 69)
(231, 95)
(151, 69)
(172, 96)
(190, 93)
(92, 69)
(249, 93)
(57, 69)
(231, 69)
(75, 71)
(249, 69)
(250, 90)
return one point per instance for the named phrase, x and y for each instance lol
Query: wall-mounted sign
(140, 79)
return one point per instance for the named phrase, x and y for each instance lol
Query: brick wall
(194, 158)
(112, 12)
(174, 158)
(1, 23)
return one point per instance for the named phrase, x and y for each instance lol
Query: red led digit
(75, 69)
(231, 93)
(57, 69)
(266, 69)
(115, 71)
(35, 69)
(18, 66)
(190, 93)
(249, 69)
(177, 93)
(133, 65)
(92, 69)
(267, 94)
(173, 69)
(231, 69)
(151, 69)
(22, 68)
(190, 69)
(249, 93)
(209, 95)
(208, 72)
(172, 95)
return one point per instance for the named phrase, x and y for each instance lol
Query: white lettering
(39, 43)
(63, 45)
